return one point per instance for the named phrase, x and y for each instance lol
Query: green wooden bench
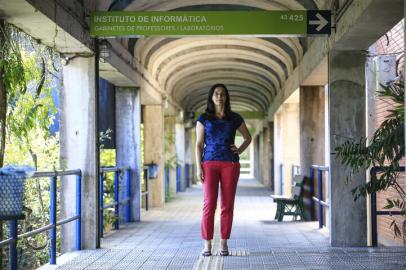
(291, 206)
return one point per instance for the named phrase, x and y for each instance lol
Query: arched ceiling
(254, 69)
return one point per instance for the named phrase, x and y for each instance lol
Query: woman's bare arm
(247, 139)
(199, 150)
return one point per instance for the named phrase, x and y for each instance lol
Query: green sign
(195, 23)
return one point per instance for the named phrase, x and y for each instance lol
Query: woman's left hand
(234, 149)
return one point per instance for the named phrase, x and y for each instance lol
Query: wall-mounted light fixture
(104, 50)
(65, 59)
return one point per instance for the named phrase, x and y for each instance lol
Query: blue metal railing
(167, 183)
(178, 177)
(146, 190)
(117, 202)
(12, 241)
(319, 198)
(375, 213)
(281, 178)
(187, 173)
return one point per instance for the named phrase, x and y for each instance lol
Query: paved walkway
(169, 238)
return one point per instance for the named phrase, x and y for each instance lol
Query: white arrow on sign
(322, 22)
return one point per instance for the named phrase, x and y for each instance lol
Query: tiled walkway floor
(169, 238)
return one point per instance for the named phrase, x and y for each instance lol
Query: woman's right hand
(200, 175)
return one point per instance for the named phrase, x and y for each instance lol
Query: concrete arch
(281, 63)
(227, 65)
(181, 86)
(231, 83)
(259, 4)
(235, 94)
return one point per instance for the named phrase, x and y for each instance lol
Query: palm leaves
(385, 149)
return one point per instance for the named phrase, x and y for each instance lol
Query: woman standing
(218, 162)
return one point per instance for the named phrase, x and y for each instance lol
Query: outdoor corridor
(169, 238)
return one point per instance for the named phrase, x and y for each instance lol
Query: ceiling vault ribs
(254, 69)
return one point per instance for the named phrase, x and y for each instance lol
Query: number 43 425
(294, 18)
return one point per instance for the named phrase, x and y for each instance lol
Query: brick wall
(391, 43)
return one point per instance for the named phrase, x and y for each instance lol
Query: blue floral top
(219, 135)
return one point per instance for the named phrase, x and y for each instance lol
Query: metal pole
(101, 210)
(52, 219)
(128, 177)
(99, 233)
(374, 216)
(177, 178)
(187, 174)
(311, 193)
(12, 265)
(117, 201)
(281, 178)
(320, 197)
(79, 212)
(146, 173)
(374, 226)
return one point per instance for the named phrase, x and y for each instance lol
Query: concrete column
(154, 151)
(278, 152)
(271, 156)
(188, 153)
(170, 151)
(180, 152)
(286, 143)
(128, 145)
(347, 121)
(261, 161)
(291, 143)
(266, 162)
(311, 127)
(78, 150)
(255, 142)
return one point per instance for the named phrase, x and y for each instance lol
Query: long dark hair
(210, 109)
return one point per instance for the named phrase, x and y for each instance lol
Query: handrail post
(320, 196)
(167, 182)
(128, 178)
(52, 212)
(178, 176)
(187, 174)
(146, 189)
(13, 245)
(374, 217)
(79, 212)
(101, 218)
(281, 178)
(312, 192)
(374, 220)
(117, 201)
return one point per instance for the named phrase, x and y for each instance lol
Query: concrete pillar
(278, 152)
(128, 145)
(286, 143)
(261, 152)
(255, 142)
(266, 162)
(154, 151)
(180, 152)
(193, 143)
(78, 150)
(311, 127)
(188, 154)
(271, 156)
(347, 121)
(291, 143)
(170, 151)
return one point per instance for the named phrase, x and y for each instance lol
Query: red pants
(227, 174)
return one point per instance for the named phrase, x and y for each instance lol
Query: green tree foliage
(385, 150)
(27, 70)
